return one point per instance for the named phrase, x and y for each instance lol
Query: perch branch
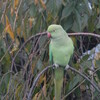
(71, 68)
(44, 33)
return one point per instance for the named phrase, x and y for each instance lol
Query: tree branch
(71, 68)
(85, 77)
(84, 34)
(36, 80)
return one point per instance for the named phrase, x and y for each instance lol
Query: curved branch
(44, 33)
(36, 80)
(29, 39)
(92, 83)
(71, 68)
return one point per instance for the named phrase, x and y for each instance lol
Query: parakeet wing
(50, 55)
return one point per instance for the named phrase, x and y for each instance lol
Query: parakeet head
(55, 31)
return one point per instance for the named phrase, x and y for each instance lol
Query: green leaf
(91, 25)
(53, 6)
(96, 96)
(95, 2)
(33, 10)
(77, 23)
(98, 23)
(67, 22)
(98, 63)
(67, 10)
(98, 73)
(87, 6)
(1, 28)
(74, 82)
(4, 84)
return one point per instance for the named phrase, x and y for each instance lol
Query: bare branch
(84, 34)
(73, 90)
(36, 80)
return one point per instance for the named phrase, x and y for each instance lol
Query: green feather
(50, 56)
(58, 81)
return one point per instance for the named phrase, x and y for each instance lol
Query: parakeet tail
(58, 81)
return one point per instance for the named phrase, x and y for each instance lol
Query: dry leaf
(41, 79)
(43, 4)
(16, 2)
(15, 47)
(31, 20)
(36, 2)
(35, 97)
(44, 87)
(17, 92)
(97, 56)
(8, 29)
(18, 31)
(12, 11)
(53, 98)
(83, 87)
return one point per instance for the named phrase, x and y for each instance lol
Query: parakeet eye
(53, 30)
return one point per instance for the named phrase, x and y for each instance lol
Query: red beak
(49, 35)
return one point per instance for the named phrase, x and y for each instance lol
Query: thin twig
(6, 52)
(10, 84)
(4, 11)
(17, 15)
(35, 81)
(96, 70)
(4, 77)
(73, 90)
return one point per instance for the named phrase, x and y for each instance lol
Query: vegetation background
(24, 53)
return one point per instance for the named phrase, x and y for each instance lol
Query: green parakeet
(60, 50)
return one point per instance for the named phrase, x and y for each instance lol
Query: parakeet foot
(56, 65)
(67, 67)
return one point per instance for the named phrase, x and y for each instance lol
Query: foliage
(19, 20)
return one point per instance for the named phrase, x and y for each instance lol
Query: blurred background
(20, 64)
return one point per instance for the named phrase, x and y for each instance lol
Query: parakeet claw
(56, 65)
(67, 67)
